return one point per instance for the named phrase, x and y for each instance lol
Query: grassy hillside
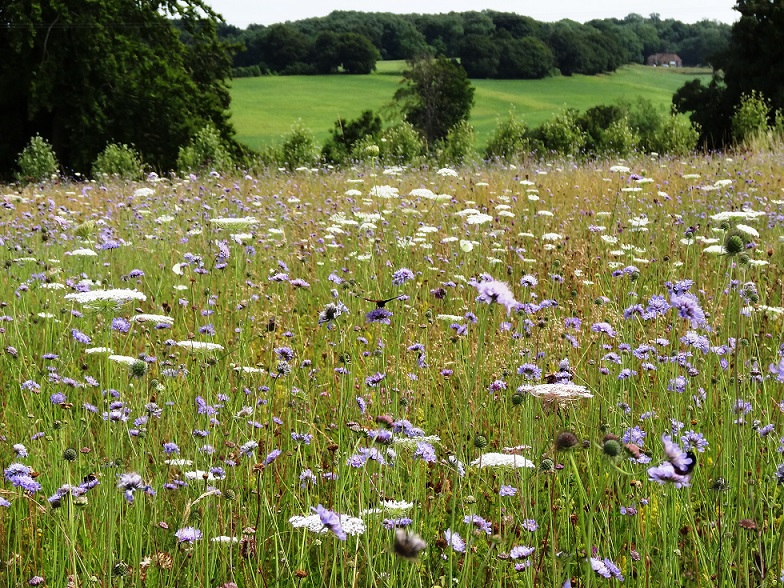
(263, 109)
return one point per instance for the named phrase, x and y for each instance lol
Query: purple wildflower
(188, 535)
(605, 328)
(330, 520)
(494, 291)
(455, 541)
(402, 276)
(80, 337)
(121, 325)
(379, 315)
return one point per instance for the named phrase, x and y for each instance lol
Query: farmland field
(263, 109)
(531, 375)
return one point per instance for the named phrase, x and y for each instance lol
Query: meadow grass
(134, 454)
(263, 109)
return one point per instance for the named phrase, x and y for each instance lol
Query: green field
(264, 108)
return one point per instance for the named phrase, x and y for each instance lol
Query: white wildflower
(199, 346)
(490, 460)
(234, 223)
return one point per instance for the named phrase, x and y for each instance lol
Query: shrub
(366, 149)
(37, 161)
(205, 151)
(509, 140)
(562, 134)
(299, 147)
(618, 138)
(458, 146)
(751, 117)
(118, 160)
(647, 121)
(346, 134)
(778, 125)
(677, 135)
(401, 144)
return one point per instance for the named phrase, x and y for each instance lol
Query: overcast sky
(241, 13)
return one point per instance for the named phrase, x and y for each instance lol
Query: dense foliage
(85, 73)
(436, 95)
(490, 44)
(753, 62)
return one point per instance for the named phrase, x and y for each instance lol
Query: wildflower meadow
(549, 374)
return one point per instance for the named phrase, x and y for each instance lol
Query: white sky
(241, 13)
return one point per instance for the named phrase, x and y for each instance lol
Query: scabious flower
(677, 469)
(480, 523)
(379, 315)
(331, 521)
(425, 452)
(529, 525)
(520, 551)
(634, 435)
(605, 328)
(507, 491)
(80, 337)
(129, 483)
(21, 476)
(693, 440)
(272, 456)
(402, 276)
(170, 448)
(188, 535)
(688, 307)
(528, 281)
(530, 371)
(455, 541)
(121, 325)
(374, 380)
(330, 312)
(494, 291)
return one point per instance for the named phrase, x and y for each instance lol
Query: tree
(284, 48)
(754, 61)
(436, 95)
(525, 59)
(357, 54)
(479, 56)
(85, 73)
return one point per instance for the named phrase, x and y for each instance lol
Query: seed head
(612, 448)
(566, 440)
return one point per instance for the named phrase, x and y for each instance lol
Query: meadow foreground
(541, 375)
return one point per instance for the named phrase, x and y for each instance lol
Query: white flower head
(234, 223)
(105, 299)
(199, 346)
(490, 460)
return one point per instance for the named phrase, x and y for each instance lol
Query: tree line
(102, 85)
(489, 44)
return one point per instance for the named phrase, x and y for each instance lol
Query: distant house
(664, 60)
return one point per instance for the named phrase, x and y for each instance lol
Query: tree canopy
(435, 96)
(85, 73)
(753, 62)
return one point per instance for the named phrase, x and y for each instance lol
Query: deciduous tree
(85, 73)
(436, 95)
